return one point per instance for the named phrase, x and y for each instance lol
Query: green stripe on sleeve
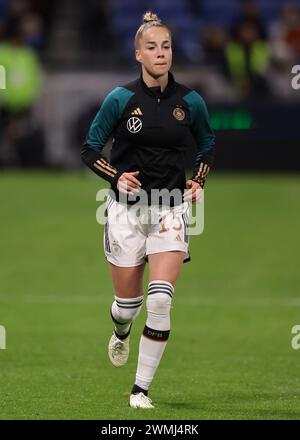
(107, 117)
(200, 126)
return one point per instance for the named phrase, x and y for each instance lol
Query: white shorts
(133, 232)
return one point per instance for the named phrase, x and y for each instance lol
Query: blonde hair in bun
(149, 19)
(150, 16)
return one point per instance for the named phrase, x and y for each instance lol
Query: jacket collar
(156, 91)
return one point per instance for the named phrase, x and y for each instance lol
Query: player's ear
(138, 55)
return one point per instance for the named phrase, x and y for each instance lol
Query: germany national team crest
(178, 114)
(116, 248)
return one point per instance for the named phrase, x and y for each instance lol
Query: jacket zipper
(158, 109)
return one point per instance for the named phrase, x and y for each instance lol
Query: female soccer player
(149, 120)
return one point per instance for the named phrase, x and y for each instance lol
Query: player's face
(155, 51)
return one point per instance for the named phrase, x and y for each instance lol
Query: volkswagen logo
(134, 125)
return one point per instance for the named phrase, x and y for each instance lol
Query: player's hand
(194, 192)
(128, 183)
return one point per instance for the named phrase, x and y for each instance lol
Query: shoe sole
(140, 407)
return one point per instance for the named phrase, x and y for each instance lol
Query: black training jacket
(149, 130)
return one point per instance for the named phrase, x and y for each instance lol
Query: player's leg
(128, 288)
(124, 245)
(122, 277)
(164, 269)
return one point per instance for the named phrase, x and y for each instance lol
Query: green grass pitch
(229, 355)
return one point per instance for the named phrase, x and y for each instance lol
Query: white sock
(156, 332)
(124, 311)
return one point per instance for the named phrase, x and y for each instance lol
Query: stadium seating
(184, 17)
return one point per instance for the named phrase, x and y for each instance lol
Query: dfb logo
(2, 338)
(2, 78)
(296, 339)
(296, 78)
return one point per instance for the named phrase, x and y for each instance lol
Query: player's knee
(126, 310)
(159, 298)
(126, 315)
(159, 303)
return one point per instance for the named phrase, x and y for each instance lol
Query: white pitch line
(189, 301)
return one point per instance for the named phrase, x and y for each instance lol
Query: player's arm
(99, 133)
(204, 137)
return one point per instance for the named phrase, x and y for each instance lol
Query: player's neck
(150, 81)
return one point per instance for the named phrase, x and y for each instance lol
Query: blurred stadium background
(240, 293)
(63, 57)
